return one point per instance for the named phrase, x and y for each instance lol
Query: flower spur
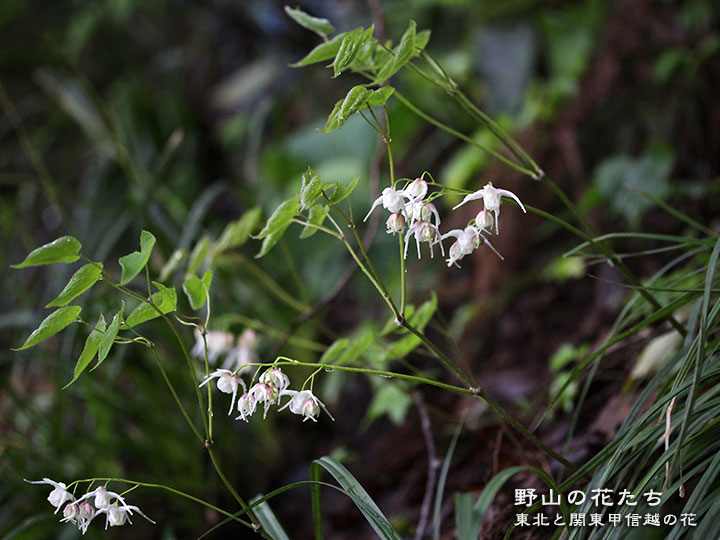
(227, 383)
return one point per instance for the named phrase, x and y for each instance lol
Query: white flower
(58, 496)
(227, 383)
(421, 210)
(275, 377)
(395, 223)
(391, 199)
(305, 404)
(217, 344)
(86, 513)
(117, 515)
(468, 239)
(424, 231)
(264, 393)
(484, 221)
(70, 512)
(246, 406)
(417, 189)
(492, 198)
(103, 497)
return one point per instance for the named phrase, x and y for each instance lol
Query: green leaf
(132, 264)
(237, 232)
(198, 255)
(321, 53)
(406, 344)
(277, 223)
(165, 300)
(310, 190)
(316, 216)
(391, 399)
(92, 343)
(51, 325)
(351, 45)
(195, 291)
(267, 517)
(357, 98)
(422, 38)
(81, 281)
(342, 191)
(401, 55)
(352, 488)
(64, 249)
(107, 339)
(320, 26)
(334, 351)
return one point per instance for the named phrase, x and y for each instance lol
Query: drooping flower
(467, 240)
(424, 231)
(395, 223)
(217, 343)
(421, 210)
(58, 496)
(417, 189)
(275, 377)
(227, 383)
(392, 200)
(264, 393)
(117, 515)
(246, 406)
(86, 513)
(492, 198)
(484, 221)
(305, 404)
(70, 513)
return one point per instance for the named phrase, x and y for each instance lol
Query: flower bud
(116, 516)
(395, 223)
(86, 510)
(70, 512)
(426, 232)
(102, 499)
(484, 220)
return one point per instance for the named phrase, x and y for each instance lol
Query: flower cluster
(410, 207)
(81, 511)
(271, 386)
(238, 353)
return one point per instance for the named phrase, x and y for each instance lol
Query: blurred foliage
(181, 118)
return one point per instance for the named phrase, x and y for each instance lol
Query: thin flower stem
(207, 375)
(403, 280)
(461, 136)
(603, 248)
(171, 490)
(107, 278)
(314, 226)
(175, 395)
(255, 524)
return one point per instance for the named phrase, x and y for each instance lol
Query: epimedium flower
(484, 221)
(86, 513)
(392, 200)
(421, 210)
(424, 231)
(467, 240)
(395, 223)
(264, 393)
(117, 515)
(246, 406)
(305, 404)
(58, 496)
(492, 197)
(417, 189)
(275, 377)
(217, 343)
(70, 513)
(227, 383)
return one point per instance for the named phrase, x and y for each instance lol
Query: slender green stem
(461, 136)
(270, 284)
(256, 525)
(603, 248)
(169, 489)
(314, 226)
(403, 277)
(175, 395)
